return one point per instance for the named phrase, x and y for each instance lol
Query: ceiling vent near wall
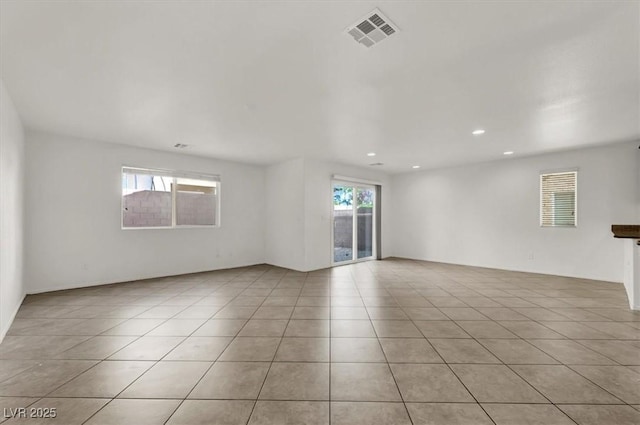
(372, 29)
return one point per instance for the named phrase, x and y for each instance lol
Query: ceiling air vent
(372, 29)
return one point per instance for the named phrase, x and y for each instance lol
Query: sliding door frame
(354, 237)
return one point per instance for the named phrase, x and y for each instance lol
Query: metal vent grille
(377, 36)
(376, 20)
(356, 33)
(366, 27)
(387, 29)
(372, 29)
(367, 42)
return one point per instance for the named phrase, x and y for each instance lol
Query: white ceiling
(261, 81)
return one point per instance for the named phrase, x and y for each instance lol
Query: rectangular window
(169, 199)
(558, 206)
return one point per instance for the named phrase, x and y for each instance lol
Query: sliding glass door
(353, 222)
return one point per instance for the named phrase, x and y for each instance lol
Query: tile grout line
(404, 403)
(389, 290)
(131, 383)
(232, 339)
(330, 286)
(401, 307)
(275, 353)
(221, 352)
(477, 403)
(514, 371)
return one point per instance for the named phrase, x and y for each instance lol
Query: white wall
(637, 221)
(488, 214)
(284, 232)
(12, 289)
(485, 215)
(74, 235)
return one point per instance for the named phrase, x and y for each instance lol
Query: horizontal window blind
(558, 199)
(170, 173)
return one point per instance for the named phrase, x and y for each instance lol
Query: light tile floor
(386, 342)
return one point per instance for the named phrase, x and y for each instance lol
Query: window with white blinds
(558, 200)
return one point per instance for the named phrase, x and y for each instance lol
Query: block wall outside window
(169, 199)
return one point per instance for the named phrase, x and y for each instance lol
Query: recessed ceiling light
(477, 132)
(508, 153)
(371, 154)
(416, 166)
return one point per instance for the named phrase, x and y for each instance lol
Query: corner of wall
(284, 240)
(6, 324)
(638, 183)
(12, 177)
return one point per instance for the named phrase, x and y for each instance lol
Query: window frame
(174, 175)
(544, 173)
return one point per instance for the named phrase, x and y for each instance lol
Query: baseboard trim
(3, 332)
(529, 271)
(57, 288)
